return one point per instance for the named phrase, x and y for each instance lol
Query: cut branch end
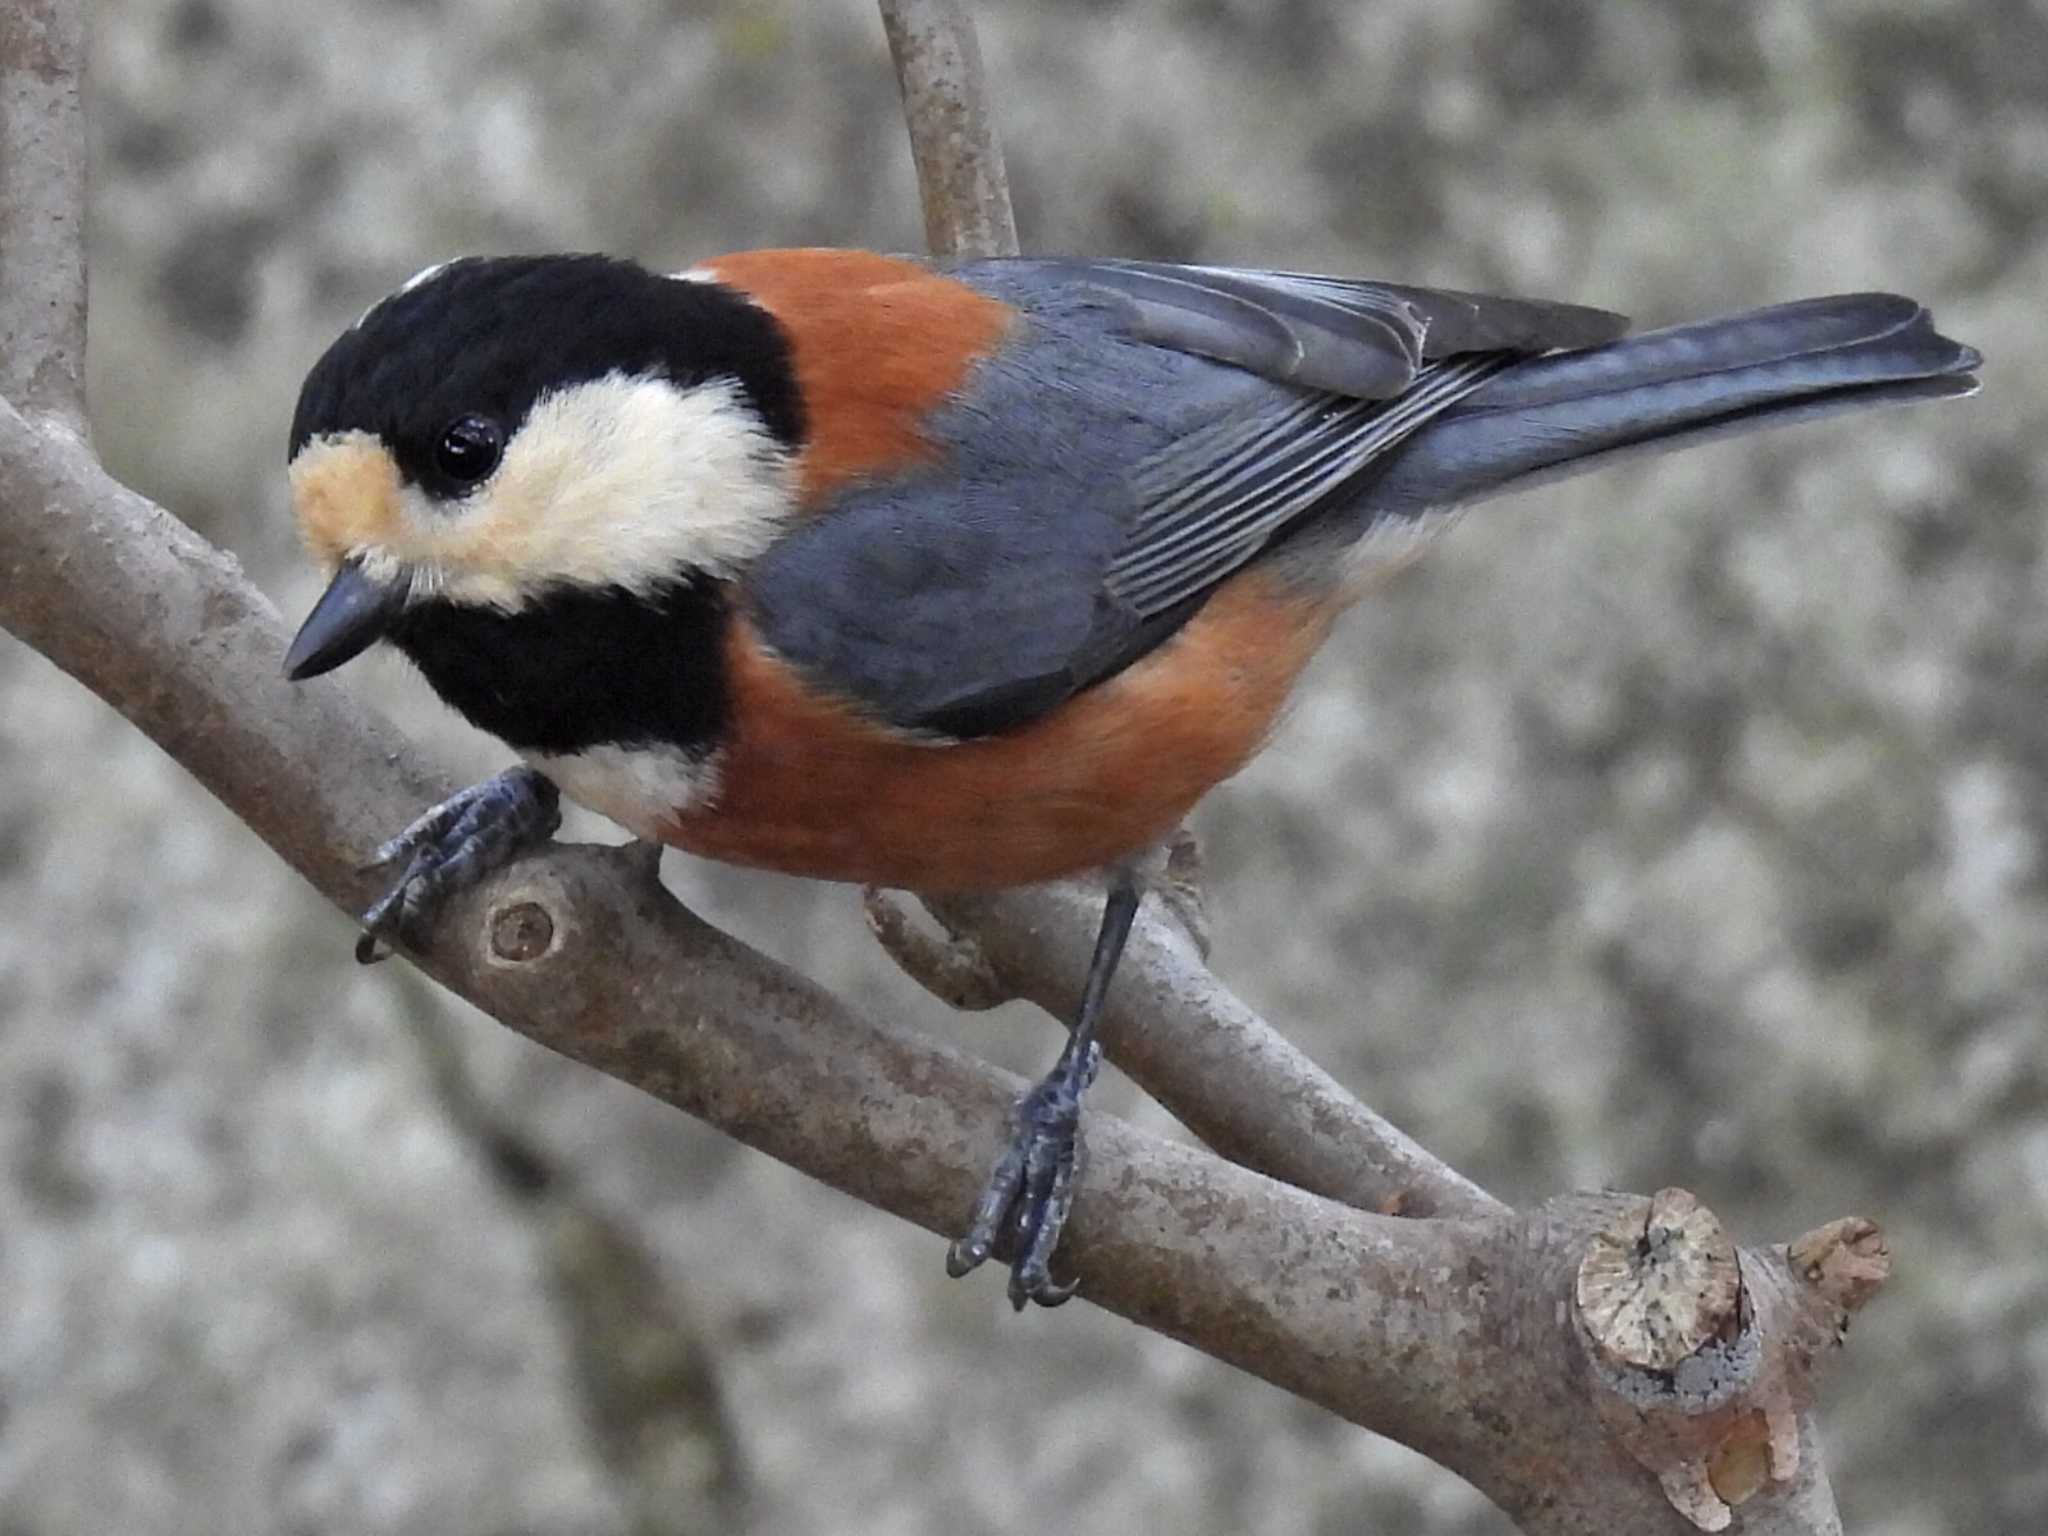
(1662, 1309)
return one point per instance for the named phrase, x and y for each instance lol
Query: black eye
(469, 448)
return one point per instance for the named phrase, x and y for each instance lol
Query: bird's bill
(353, 614)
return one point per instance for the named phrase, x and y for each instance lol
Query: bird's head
(503, 429)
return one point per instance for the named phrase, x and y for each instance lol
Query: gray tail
(1570, 412)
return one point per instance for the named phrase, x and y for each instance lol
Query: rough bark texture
(1700, 846)
(1444, 1335)
(42, 208)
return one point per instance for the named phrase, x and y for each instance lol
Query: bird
(946, 576)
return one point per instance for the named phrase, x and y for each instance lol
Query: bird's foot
(1031, 1188)
(460, 841)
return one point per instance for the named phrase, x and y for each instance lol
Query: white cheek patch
(638, 787)
(621, 481)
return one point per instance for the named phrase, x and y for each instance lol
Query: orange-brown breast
(879, 342)
(807, 786)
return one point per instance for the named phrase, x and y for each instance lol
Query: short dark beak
(352, 615)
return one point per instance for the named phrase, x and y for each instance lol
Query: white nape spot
(424, 275)
(622, 481)
(638, 787)
(706, 275)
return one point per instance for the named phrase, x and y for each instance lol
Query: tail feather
(1569, 412)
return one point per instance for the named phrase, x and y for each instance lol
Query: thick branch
(42, 208)
(1446, 1335)
(960, 175)
(1453, 1336)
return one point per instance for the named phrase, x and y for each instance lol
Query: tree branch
(960, 174)
(42, 208)
(1459, 1336)
(1225, 1073)
(1192, 1044)
(583, 951)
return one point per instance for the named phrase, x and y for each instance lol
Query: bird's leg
(1031, 1188)
(460, 841)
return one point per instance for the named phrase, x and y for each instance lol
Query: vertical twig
(42, 208)
(1249, 1106)
(960, 175)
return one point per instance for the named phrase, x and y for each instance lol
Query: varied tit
(869, 570)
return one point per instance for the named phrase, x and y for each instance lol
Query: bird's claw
(468, 836)
(1023, 1207)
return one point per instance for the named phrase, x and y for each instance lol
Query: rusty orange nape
(878, 341)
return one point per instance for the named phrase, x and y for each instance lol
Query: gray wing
(1363, 340)
(1149, 430)
(1373, 362)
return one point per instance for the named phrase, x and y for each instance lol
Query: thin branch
(1224, 1072)
(1189, 1042)
(960, 174)
(42, 208)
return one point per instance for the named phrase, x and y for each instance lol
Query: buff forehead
(346, 493)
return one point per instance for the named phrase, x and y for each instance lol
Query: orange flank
(810, 787)
(879, 342)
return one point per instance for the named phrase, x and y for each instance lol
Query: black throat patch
(581, 667)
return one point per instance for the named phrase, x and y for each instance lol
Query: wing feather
(1204, 511)
(1350, 337)
(1132, 471)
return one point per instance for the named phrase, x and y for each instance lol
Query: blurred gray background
(1681, 825)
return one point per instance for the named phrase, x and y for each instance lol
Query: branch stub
(521, 932)
(1846, 1261)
